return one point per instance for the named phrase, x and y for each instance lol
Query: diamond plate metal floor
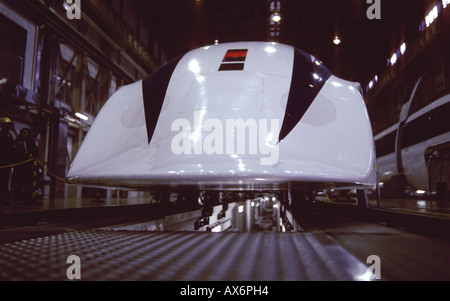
(188, 256)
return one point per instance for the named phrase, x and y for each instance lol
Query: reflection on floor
(419, 205)
(413, 205)
(435, 208)
(70, 203)
(261, 214)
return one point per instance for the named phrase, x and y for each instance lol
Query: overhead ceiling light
(70, 119)
(276, 18)
(432, 15)
(81, 116)
(403, 48)
(394, 59)
(336, 40)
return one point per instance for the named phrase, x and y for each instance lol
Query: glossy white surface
(413, 157)
(332, 144)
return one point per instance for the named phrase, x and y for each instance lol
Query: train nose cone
(230, 113)
(117, 132)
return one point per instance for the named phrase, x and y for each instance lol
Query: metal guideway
(188, 256)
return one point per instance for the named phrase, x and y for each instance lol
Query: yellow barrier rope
(48, 171)
(32, 159)
(17, 164)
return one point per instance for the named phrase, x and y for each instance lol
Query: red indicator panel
(235, 55)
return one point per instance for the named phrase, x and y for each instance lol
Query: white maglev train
(244, 116)
(403, 148)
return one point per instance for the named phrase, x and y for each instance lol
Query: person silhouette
(6, 158)
(24, 149)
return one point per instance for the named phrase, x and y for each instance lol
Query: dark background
(306, 24)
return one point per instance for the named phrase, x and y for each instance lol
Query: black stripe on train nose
(154, 89)
(308, 78)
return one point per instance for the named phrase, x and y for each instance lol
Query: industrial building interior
(61, 60)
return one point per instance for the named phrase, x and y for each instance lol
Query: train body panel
(247, 115)
(423, 130)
